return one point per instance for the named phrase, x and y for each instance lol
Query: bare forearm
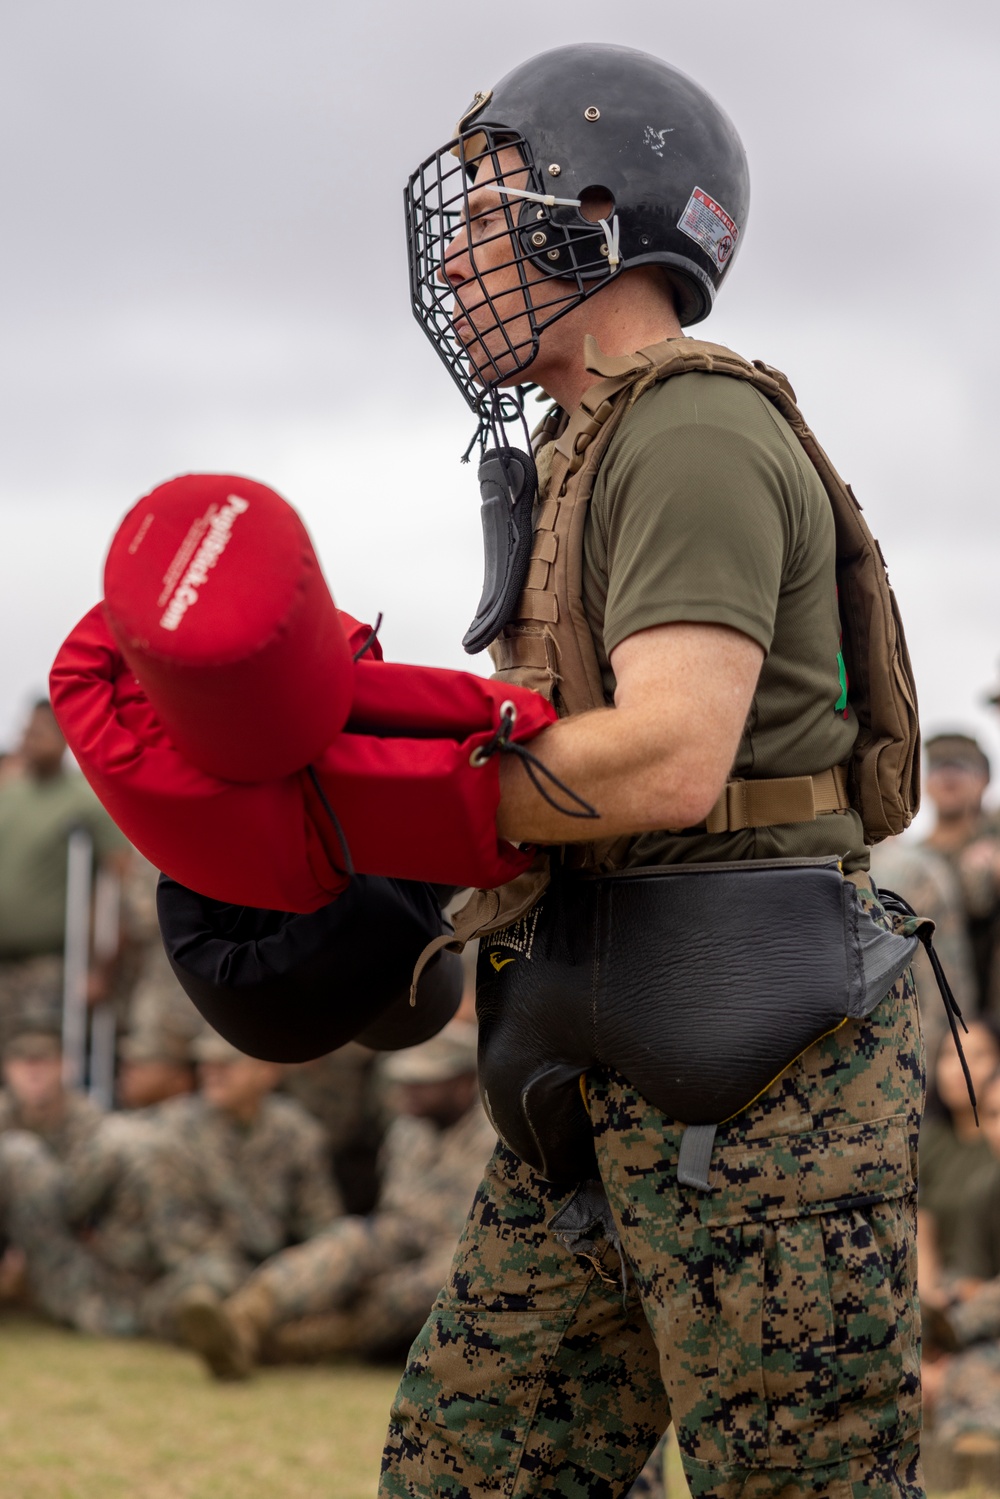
(631, 778)
(660, 757)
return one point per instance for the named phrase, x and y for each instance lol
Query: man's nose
(456, 266)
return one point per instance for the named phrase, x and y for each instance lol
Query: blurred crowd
(953, 876)
(252, 1211)
(156, 1182)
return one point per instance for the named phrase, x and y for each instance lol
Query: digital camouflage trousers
(773, 1319)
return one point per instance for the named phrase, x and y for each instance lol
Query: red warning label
(709, 225)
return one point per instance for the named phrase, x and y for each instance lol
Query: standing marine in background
(39, 808)
(693, 1215)
(965, 835)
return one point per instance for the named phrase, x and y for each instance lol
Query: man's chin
(502, 373)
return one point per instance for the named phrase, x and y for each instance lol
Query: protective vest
(549, 646)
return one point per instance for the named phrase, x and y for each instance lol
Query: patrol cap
(959, 750)
(451, 1053)
(212, 1048)
(157, 1045)
(33, 1046)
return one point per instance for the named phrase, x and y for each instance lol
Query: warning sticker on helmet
(709, 225)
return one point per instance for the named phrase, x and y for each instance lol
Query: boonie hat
(451, 1053)
(157, 1045)
(212, 1048)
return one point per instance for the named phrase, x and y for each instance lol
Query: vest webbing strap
(760, 804)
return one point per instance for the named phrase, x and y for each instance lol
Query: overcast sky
(203, 267)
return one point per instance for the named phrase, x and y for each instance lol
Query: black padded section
(698, 983)
(507, 485)
(288, 987)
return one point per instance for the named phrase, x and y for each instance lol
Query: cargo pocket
(815, 1336)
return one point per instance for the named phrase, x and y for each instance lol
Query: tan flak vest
(549, 646)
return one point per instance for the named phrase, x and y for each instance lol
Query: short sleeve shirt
(707, 510)
(36, 819)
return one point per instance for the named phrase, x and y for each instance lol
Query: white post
(76, 955)
(107, 909)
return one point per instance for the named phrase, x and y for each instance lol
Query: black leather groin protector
(507, 484)
(699, 983)
(289, 987)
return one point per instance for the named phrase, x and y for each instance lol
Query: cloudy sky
(203, 267)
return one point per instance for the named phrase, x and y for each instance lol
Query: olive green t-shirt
(948, 1168)
(977, 1229)
(706, 509)
(36, 819)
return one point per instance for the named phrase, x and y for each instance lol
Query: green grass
(82, 1418)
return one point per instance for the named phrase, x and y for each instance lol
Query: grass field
(87, 1419)
(82, 1419)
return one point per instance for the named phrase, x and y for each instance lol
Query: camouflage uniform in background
(80, 1120)
(378, 1275)
(343, 1092)
(976, 866)
(926, 880)
(969, 1396)
(31, 994)
(181, 1195)
(772, 1319)
(652, 1481)
(65, 1281)
(268, 1181)
(162, 1020)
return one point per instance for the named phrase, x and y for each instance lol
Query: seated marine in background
(366, 1284)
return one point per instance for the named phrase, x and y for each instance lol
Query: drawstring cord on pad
(371, 639)
(501, 743)
(924, 933)
(348, 861)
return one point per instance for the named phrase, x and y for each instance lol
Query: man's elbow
(683, 797)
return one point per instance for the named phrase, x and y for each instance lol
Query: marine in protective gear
(768, 1282)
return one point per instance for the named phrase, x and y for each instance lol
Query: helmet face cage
(527, 257)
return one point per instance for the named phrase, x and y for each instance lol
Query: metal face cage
(496, 256)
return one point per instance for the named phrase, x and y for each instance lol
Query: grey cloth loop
(696, 1156)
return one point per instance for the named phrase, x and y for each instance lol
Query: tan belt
(769, 803)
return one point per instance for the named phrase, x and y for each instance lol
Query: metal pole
(107, 909)
(76, 955)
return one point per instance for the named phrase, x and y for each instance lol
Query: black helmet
(620, 161)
